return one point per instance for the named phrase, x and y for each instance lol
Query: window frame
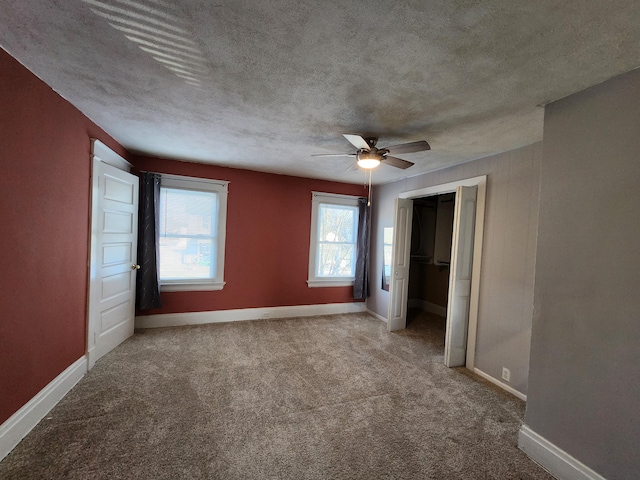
(221, 188)
(319, 198)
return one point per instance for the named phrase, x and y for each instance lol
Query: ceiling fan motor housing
(369, 159)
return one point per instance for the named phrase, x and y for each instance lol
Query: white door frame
(481, 183)
(106, 155)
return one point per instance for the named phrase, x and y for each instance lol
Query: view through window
(188, 234)
(337, 227)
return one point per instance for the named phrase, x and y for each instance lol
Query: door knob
(135, 267)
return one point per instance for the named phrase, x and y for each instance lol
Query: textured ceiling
(264, 84)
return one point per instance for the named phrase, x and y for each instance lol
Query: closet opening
(458, 247)
(430, 261)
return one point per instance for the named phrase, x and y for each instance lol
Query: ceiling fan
(368, 156)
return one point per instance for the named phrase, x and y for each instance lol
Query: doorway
(431, 237)
(464, 265)
(429, 266)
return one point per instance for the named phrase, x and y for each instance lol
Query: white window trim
(222, 189)
(317, 199)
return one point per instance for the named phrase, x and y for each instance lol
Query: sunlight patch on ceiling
(158, 32)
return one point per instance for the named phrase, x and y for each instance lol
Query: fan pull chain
(369, 198)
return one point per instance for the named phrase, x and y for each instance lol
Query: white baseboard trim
(553, 459)
(427, 307)
(219, 316)
(379, 317)
(502, 385)
(16, 427)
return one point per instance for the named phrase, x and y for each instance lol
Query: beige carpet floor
(329, 397)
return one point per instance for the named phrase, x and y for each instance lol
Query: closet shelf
(422, 258)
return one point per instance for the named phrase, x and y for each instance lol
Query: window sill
(342, 282)
(191, 287)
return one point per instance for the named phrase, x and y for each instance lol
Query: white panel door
(455, 348)
(401, 256)
(112, 282)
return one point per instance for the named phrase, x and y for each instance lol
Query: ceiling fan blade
(396, 162)
(357, 141)
(353, 167)
(334, 155)
(409, 147)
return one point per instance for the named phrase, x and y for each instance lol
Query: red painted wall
(44, 235)
(267, 246)
(44, 222)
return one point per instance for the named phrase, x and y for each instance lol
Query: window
(334, 233)
(387, 252)
(192, 228)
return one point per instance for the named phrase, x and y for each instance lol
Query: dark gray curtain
(147, 282)
(361, 283)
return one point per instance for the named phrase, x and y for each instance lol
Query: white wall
(508, 258)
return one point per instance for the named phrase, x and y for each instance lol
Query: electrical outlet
(506, 374)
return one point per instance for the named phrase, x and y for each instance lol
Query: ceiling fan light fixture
(369, 160)
(369, 164)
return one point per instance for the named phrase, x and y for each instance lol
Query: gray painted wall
(508, 257)
(584, 386)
